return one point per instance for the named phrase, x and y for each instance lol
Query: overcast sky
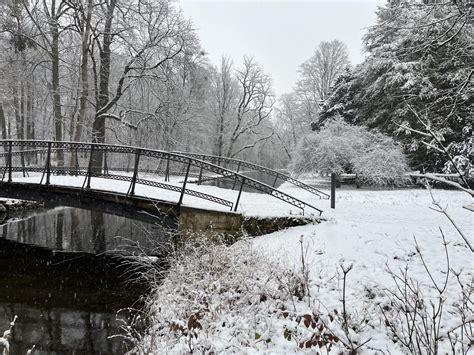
(279, 34)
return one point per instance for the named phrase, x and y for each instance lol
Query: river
(64, 274)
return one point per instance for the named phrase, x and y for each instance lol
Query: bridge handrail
(244, 180)
(256, 167)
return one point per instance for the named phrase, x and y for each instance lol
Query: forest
(134, 72)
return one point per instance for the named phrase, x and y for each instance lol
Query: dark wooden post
(333, 190)
(184, 184)
(48, 164)
(135, 172)
(238, 196)
(167, 171)
(10, 161)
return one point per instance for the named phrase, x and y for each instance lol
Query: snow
(250, 204)
(375, 230)
(372, 230)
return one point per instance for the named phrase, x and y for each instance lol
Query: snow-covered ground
(371, 230)
(374, 231)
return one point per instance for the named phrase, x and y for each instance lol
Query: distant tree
(318, 74)
(224, 91)
(242, 102)
(342, 148)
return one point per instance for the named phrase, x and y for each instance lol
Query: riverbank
(330, 286)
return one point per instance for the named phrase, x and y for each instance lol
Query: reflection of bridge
(28, 167)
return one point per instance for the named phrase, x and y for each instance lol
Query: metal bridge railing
(226, 162)
(96, 160)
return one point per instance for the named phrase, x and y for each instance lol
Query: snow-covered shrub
(342, 148)
(428, 317)
(228, 299)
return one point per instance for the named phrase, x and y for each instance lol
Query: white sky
(279, 34)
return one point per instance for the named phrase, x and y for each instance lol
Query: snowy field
(372, 232)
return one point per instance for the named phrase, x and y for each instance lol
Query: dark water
(63, 273)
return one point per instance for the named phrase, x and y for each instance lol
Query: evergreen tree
(419, 66)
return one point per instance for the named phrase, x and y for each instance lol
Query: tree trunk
(18, 121)
(98, 126)
(78, 128)
(3, 124)
(84, 74)
(58, 124)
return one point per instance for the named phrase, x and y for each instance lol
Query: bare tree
(319, 73)
(255, 105)
(148, 35)
(224, 92)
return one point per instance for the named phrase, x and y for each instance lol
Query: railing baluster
(135, 173)
(77, 161)
(235, 178)
(276, 179)
(89, 168)
(238, 197)
(200, 176)
(47, 168)
(167, 172)
(184, 184)
(10, 161)
(106, 167)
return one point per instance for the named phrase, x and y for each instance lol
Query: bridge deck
(251, 204)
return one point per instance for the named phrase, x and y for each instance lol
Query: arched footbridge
(94, 173)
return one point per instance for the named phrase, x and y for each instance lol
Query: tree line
(414, 85)
(130, 72)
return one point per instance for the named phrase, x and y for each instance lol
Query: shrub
(342, 148)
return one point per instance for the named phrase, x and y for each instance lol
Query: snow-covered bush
(342, 148)
(228, 299)
(423, 317)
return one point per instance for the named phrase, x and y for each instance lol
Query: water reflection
(73, 229)
(59, 273)
(61, 331)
